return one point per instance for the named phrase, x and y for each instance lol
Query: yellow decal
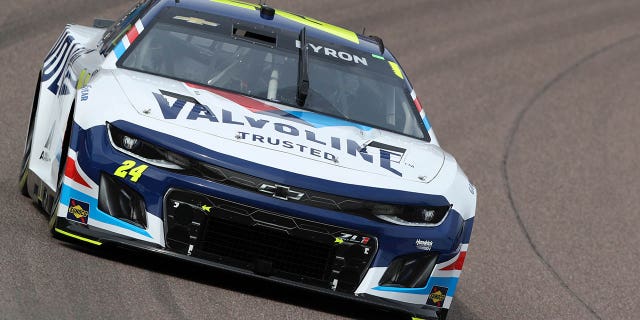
(437, 296)
(83, 79)
(310, 22)
(97, 243)
(322, 26)
(338, 241)
(396, 69)
(197, 21)
(78, 212)
(206, 208)
(239, 4)
(127, 168)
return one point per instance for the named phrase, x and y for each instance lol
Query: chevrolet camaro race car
(253, 140)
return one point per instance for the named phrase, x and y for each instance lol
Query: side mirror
(102, 23)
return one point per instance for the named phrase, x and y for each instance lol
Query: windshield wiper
(303, 73)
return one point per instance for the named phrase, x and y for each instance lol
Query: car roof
(284, 20)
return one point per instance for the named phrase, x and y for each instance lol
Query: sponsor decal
(276, 133)
(83, 79)
(78, 211)
(56, 74)
(281, 192)
(396, 69)
(345, 56)
(44, 156)
(128, 167)
(84, 93)
(424, 244)
(437, 296)
(198, 21)
(353, 238)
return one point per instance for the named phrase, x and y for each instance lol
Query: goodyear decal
(309, 22)
(56, 74)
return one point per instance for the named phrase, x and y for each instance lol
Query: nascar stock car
(253, 140)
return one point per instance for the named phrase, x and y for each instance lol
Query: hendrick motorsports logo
(424, 244)
(78, 211)
(437, 296)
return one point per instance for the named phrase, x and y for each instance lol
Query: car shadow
(231, 281)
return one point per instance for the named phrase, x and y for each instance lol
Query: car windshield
(343, 84)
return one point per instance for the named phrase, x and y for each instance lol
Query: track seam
(509, 145)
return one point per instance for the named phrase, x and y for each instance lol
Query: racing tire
(24, 166)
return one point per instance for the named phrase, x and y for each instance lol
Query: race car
(254, 140)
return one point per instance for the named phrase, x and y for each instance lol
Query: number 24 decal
(127, 168)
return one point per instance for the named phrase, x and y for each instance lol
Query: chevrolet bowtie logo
(281, 192)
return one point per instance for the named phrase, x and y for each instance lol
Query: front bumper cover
(94, 236)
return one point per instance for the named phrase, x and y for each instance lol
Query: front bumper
(99, 237)
(165, 191)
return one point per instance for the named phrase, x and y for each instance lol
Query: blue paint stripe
(448, 282)
(427, 125)
(119, 49)
(95, 213)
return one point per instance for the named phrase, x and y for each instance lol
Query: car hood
(264, 131)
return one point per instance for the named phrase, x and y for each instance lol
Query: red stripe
(457, 265)
(418, 105)
(133, 34)
(72, 173)
(249, 103)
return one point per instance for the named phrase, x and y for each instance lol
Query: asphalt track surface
(538, 101)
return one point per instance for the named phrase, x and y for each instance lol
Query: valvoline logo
(78, 211)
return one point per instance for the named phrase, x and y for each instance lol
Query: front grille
(265, 242)
(286, 253)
